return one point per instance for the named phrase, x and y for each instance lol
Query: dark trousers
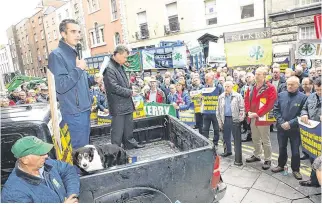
(122, 131)
(79, 127)
(199, 122)
(209, 119)
(295, 141)
(313, 177)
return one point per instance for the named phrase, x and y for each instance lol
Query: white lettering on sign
(157, 110)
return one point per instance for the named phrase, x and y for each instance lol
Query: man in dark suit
(119, 96)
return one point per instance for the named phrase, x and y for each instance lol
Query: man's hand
(252, 115)
(72, 199)
(220, 127)
(175, 106)
(81, 64)
(286, 126)
(106, 111)
(305, 119)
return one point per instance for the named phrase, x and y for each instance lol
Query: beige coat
(237, 108)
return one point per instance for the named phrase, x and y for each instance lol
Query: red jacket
(160, 98)
(252, 102)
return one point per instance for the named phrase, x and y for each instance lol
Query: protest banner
(308, 49)
(311, 137)
(196, 98)
(103, 118)
(133, 63)
(169, 57)
(188, 116)
(92, 71)
(156, 109)
(249, 47)
(268, 117)
(209, 100)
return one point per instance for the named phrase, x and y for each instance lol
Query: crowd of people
(25, 95)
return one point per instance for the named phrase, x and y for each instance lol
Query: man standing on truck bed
(119, 96)
(72, 83)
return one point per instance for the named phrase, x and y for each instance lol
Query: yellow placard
(268, 117)
(250, 52)
(196, 98)
(139, 110)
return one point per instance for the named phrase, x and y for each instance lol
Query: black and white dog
(92, 157)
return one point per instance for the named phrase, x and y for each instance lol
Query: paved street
(250, 184)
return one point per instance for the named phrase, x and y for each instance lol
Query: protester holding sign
(155, 94)
(181, 99)
(209, 104)
(230, 113)
(312, 111)
(196, 98)
(286, 110)
(259, 101)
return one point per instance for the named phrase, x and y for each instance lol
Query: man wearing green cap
(38, 179)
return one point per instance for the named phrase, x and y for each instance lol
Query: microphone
(79, 51)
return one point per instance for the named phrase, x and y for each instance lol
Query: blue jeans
(79, 126)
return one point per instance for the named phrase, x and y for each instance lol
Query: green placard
(134, 63)
(156, 109)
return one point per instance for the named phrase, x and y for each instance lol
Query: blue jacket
(288, 107)
(60, 181)
(72, 83)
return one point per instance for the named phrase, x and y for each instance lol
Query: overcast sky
(11, 12)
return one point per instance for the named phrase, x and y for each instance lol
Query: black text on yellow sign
(311, 142)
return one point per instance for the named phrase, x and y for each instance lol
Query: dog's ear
(91, 154)
(75, 157)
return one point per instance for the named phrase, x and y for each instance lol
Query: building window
(59, 17)
(23, 41)
(173, 17)
(117, 39)
(102, 34)
(27, 39)
(247, 11)
(33, 23)
(47, 24)
(45, 52)
(93, 6)
(308, 2)
(210, 6)
(42, 34)
(35, 37)
(97, 35)
(27, 58)
(55, 34)
(76, 8)
(53, 21)
(98, 39)
(39, 20)
(67, 13)
(212, 21)
(143, 26)
(30, 56)
(114, 9)
(307, 32)
(49, 39)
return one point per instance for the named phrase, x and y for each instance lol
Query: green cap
(30, 145)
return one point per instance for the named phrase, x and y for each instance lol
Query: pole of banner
(54, 114)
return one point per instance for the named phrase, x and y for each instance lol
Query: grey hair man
(119, 96)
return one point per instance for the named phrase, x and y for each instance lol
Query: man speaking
(119, 96)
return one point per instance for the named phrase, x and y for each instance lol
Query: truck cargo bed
(160, 136)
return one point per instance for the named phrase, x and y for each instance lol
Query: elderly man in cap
(155, 94)
(43, 96)
(38, 179)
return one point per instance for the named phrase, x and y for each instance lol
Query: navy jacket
(60, 181)
(101, 99)
(288, 107)
(72, 83)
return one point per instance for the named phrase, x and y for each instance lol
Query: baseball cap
(30, 145)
